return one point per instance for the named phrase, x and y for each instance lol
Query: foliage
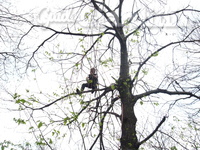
(7, 145)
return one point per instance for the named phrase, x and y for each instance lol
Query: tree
(130, 35)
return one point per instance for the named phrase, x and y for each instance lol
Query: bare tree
(147, 62)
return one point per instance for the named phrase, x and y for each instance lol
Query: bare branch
(132, 16)
(160, 15)
(60, 32)
(39, 48)
(156, 91)
(109, 10)
(102, 122)
(156, 129)
(103, 12)
(106, 90)
(120, 10)
(173, 139)
(156, 52)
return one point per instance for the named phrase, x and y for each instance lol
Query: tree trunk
(129, 139)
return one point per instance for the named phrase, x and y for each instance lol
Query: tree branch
(164, 91)
(39, 48)
(58, 32)
(160, 15)
(132, 16)
(103, 12)
(106, 90)
(174, 140)
(102, 122)
(156, 129)
(120, 10)
(109, 10)
(156, 52)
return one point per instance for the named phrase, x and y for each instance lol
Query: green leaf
(31, 128)
(156, 104)
(141, 103)
(50, 141)
(80, 30)
(173, 148)
(33, 70)
(102, 33)
(145, 72)
(112, 86)
(83, 125)
(134, 41)
(74, 115)
(82, 102)
(15, 96)
(77, 64)
(155, 54)
(81, 40)
(66, 120)
(40, 143)
(87, 15)
(105, 62)
(40, 125)
(20, 101)
(137, 33)
(55, 132)
(19, 121)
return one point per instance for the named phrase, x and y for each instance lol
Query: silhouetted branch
(160, 15)
(156, 91)
(156, 52)
(174, 140)
(102, 123)
(103, 12)
(156, 129)
(106, 90)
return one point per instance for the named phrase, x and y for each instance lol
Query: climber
(92, 81)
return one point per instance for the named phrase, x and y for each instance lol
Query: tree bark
(129, 139)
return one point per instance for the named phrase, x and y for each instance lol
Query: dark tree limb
(102, 123)
(120, 10)
(174, 140)
(56, 32)
(157, 51)
(103, 12)
(160, 15)
(156, 129)
(132, 16)
(106, 90)
(156, 91)
(50, 37)
(109, 10)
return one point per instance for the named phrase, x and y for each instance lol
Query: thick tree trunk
(129, 139)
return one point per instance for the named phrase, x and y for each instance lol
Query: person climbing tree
(92, 81)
